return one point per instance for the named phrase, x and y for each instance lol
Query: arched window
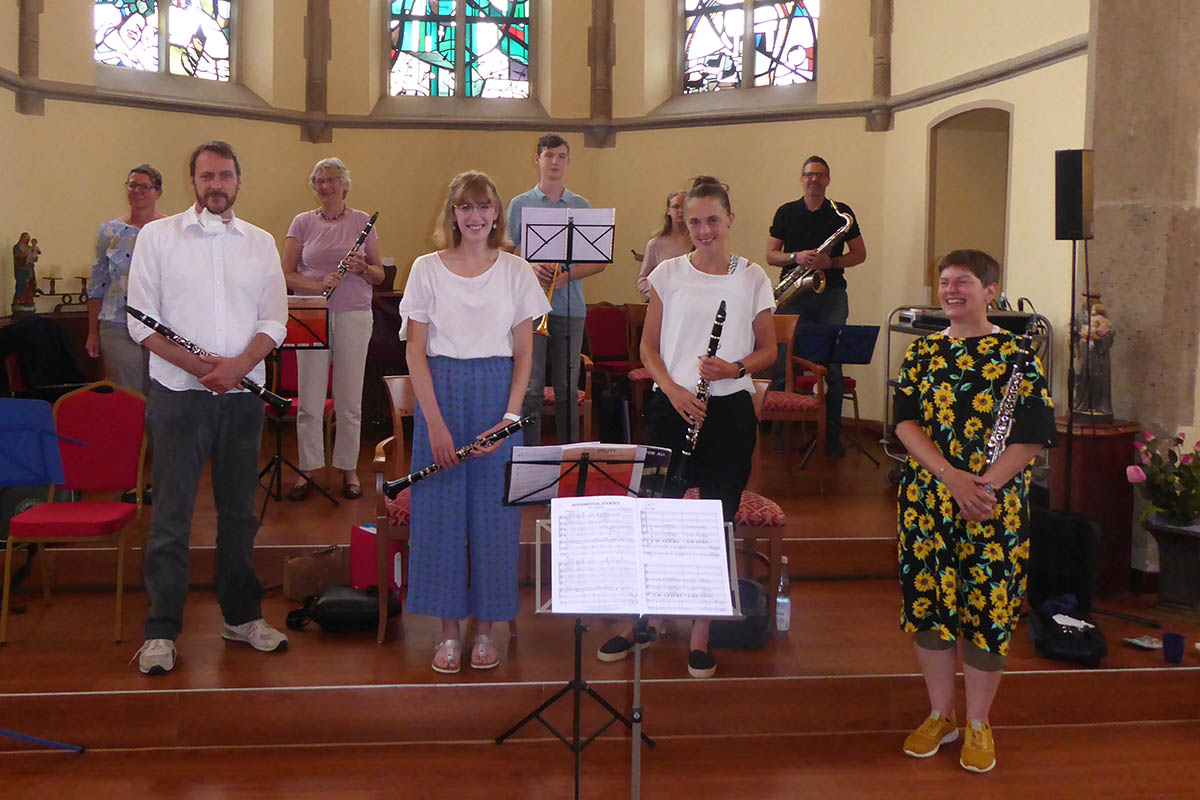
(780, 43)
(429, 57)
(177, 37)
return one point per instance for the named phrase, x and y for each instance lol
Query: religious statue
(25, 256)
(1094, 334)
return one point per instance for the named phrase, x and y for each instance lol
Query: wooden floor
(820, 712)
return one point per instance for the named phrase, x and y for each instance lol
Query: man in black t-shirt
(799, 227)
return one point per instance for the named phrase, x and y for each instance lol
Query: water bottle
(783, 601)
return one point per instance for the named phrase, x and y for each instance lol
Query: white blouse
(472, 317)
(690, 299)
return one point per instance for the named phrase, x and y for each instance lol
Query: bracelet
(941, 472)
(511, 417)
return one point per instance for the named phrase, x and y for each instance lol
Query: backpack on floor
(342, 609)
(1063, 552)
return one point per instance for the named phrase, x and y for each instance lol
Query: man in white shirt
(215, 280)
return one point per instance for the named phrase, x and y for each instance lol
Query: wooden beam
(602, 56)
(318, 48)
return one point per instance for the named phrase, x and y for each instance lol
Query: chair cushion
(398, 509)
(789, 402)
(806, 384)
(612, 366)
(71, 520)
(754, 510)
(548, 396)
(639, 374)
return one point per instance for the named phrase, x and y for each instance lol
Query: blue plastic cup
(1173, 648)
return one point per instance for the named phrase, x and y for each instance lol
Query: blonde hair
(478, 188)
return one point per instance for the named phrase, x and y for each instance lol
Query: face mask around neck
(212, 224)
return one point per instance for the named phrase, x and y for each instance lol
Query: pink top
(324, 244)
(658, 250)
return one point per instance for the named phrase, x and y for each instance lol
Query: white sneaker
(258, 634)
(156, 656)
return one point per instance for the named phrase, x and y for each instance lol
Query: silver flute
(280, 404)
(343, 265)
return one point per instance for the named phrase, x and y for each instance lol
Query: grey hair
(333, 165)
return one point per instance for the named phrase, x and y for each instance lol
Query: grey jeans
(559, 351)
(191, 428)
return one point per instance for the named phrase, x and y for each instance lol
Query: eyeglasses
(467, 208)
(323, 181)
(134, 186)
(814, 175)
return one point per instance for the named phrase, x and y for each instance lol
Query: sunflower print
(965, 579)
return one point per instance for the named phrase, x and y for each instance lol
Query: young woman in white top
(671, 241)
(685, 293)
(469, 308)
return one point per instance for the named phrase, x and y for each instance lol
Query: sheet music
(626, 555)
(544, 234)
(540, 479)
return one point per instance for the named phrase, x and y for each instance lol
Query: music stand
(837, 344)
(307, 329)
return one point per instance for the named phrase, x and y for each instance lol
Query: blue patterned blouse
(110, 272)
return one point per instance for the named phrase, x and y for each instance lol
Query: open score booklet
(637, 555)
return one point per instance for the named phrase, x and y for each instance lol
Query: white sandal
(451, 652)
(480, 652)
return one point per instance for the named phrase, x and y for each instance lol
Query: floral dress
(966, 579)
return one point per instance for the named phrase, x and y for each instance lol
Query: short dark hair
(150, 172)
(983, 266)
(223, 149)
(551, 141)
(814, 159)
(708, 186)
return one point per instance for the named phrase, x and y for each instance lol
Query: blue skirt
(463, 540)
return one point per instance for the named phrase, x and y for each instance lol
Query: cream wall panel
(354, 84)
(844, 51)
(289, 73)
(935, 40)
(972, 179)
(566, 69)
(67, 42)
(643, 74)
(9, 25)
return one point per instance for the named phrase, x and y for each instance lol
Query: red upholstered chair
(608, 341)
(789, 406)
(584, 399)
(107, 424)
(807, 384)
(391, 516)
(757, 518)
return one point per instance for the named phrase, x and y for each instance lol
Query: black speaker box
(1073, 194)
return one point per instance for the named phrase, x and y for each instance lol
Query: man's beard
(217, 202)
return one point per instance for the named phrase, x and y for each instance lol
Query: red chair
(608, 340)
(788, 405)
(108, 421)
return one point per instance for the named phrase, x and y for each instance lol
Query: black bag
(750, 632)
(342, 609)
(1063, 552)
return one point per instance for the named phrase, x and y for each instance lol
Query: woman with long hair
(670, 241)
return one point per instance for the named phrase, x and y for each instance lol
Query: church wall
(8, 35)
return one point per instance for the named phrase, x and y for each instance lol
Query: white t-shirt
(690, 299)
(472, 317)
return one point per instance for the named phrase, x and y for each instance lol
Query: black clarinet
(678, 474)
(393, 488)
(280, 404)
(342, 265)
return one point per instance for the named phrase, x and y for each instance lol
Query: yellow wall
(934, 40)
(8, 35)
(844, 66)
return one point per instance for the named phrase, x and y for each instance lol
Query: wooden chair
(585, 401)
(392, 516)
(105, 425)
(789, 406)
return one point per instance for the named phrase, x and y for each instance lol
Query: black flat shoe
(298, 493)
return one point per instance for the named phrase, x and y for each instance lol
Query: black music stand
(577, 686)
(837, 344)
(307, 329)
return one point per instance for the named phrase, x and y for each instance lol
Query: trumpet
(799, 281)
(543, 326)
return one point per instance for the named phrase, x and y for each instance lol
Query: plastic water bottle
(783, 601)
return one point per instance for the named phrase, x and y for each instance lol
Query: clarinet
(280, 404)
(678, 474)
(1012, 393)
(342, 265)
(393, 488)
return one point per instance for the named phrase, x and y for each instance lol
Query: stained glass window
(127, 34)
(783, 40)
(493, 49)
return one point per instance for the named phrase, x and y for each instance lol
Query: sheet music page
(538, 478)
(594, 555)
(603, 478)
(685, 567)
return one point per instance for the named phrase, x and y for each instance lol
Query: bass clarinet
(678, 474)
(280, 404)
(342, 265)
(393, 488)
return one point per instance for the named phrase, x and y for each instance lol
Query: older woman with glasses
(124, 359)
(316, 243)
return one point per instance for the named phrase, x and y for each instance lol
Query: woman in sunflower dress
(963, 524)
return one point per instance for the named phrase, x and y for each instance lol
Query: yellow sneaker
(934, 732)
(978, 750)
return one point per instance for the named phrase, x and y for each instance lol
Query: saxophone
(799, 281)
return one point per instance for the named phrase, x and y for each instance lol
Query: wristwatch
(792, 257)
(741, 369)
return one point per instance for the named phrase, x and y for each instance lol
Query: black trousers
(720, 465)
